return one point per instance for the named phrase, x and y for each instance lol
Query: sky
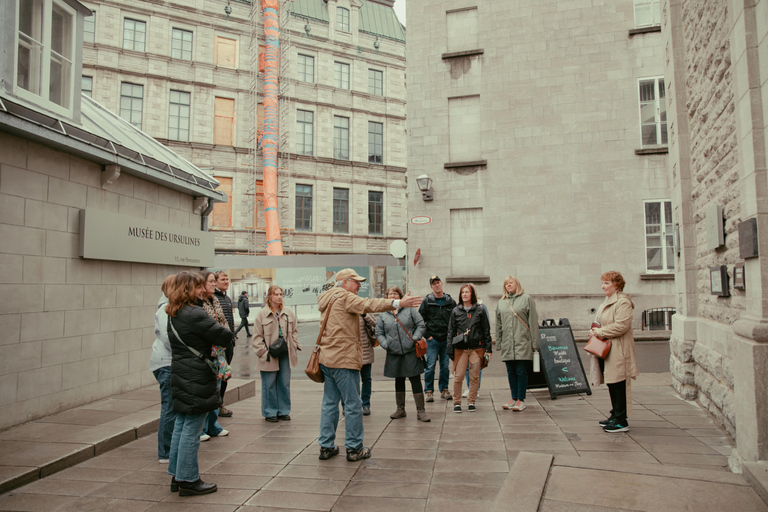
(400, 10)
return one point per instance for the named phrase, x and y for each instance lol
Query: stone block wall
(73, 330)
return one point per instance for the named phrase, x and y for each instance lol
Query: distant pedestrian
(244, 309)
(619, 366)
(275, 325)
(193, 384)
(160, 366)
(470, 326)
(341, 358)
(368, 341)
(517, 338)
(222, 285)
(212, 306)
(436, 311)
(396, 331)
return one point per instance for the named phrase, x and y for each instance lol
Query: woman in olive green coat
(517, 335)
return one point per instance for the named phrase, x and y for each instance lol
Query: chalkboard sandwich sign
(561, 362)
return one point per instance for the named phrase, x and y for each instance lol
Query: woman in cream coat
(620, 366)
(272, 322)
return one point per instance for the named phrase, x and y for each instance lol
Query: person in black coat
(244, 308)
(222, 285)
(192, 333)
(469, 335)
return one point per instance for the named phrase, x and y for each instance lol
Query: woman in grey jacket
(517, 336)
(160, 366)
(401, 362)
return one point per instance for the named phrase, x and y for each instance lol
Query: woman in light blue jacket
(401, 361)
(160, 366)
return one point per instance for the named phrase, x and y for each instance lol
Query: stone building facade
(715, 66)
(542, 129)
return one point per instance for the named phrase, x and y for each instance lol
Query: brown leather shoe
(224, 412)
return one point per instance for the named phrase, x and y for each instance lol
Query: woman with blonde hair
(517, 337)
(620, 366)
(192, 334)
(160, 366)
(274, 328)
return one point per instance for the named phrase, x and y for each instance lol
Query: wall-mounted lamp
(376, 43)
(307, 28)
(424, 183)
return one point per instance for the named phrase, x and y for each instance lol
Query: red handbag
(598, 346)
(421, 345)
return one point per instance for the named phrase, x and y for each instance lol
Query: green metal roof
(375, 18)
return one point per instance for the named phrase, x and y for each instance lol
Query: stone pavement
(551, 457)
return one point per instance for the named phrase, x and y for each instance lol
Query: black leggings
(415, 385)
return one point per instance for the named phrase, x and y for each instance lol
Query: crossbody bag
(213, 365)
(421, 345)
(313, 370)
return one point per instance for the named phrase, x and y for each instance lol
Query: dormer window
(45, 54)
(342, 19)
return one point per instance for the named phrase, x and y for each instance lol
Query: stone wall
(73, 330)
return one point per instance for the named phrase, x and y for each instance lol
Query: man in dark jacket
(244, 309)
(222, 285)
(436, 311)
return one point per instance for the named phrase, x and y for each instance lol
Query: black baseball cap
(433, 279)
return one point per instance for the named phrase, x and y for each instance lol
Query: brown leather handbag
(598, 346)
(313, 370)
(421, 345)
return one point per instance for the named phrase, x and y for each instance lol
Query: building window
(45, 59)
(341, 75)
(375, 213)
(224, 121)
(659, 237)
(87, 86)
(306, 68)
(304, 207)
(305, 132)
(375, 143)
(131, 103)
(653, 112)
(225, 52)
(341, 137)
(134, 34)
(342, 19)
(89, 29)
(647, 13)
(376, 82)
(222, 212)
(341, 210)
(181, 44)
(462, 30)
(257, 219)
(178, 117)
(464, 129)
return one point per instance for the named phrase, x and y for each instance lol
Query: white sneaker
(465, 394)
(223, 433)
(163, 461)
(204, 438)
(521, 406)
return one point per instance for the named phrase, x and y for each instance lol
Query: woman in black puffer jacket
(193, 384)
(469, 320)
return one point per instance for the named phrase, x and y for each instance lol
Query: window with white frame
(341, 75)
(342, 19)
(653, 112)
(305, 132)
(45, 53)
(375, 212)
(659, 236)
(181, 44)
(178, 116)
(86, 86)
(131, 103)
(341, 210)
(647, 13)
(375, 142)
(341, 137)
(306, 68)
(89, 29)
(303, 207)
(376, 82)
(134, 34)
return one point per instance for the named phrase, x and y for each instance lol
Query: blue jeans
(167, 416)
(341, 384)
(517, 375)
(365, 375)
(276, 390)
(212, 427)
(435, 351)
(186, 441)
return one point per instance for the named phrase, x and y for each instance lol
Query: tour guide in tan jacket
(341, 357)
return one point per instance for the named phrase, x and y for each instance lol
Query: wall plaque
(748, 238)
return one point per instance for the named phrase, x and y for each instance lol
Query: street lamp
(424, 183)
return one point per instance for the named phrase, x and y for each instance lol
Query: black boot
(196, 488)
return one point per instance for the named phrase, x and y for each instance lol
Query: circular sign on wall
(421, 219)
(398, 248)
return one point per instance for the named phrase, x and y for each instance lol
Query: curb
(524, 486)
(756, 473)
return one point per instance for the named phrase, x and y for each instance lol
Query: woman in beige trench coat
(620, 366)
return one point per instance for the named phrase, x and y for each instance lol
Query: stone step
(756, 474)
(525, 483)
